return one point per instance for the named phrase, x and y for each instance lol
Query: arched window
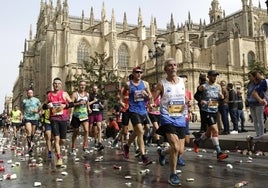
(251, 58)
(82, 52)
(265, 28)
(123, 57)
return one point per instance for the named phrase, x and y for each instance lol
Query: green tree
(257, 66)
(98, 71)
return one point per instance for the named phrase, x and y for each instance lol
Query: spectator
(112, 128)
(224, 108)
(233, 110)
(240, 107)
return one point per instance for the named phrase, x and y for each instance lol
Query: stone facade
(228, 44)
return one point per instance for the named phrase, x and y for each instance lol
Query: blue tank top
(211, 96)
(136, 98)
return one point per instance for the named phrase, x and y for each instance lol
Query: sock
(59, 156)
(73, 145)
(218, 149)
(215, 140)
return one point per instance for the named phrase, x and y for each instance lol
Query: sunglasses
(138, 72)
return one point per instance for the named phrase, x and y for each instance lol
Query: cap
(213, 73)
(138, 68)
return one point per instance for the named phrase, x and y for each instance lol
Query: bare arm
(158, 91)
(122, 94)
(258, 98)
(148, 93)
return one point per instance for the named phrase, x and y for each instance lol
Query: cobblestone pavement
(97, 170)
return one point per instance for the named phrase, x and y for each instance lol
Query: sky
(16, 16)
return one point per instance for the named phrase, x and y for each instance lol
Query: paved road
(202, 167)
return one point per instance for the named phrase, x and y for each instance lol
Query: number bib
(213, 104)
(175, 108)
(56, 110)
(138, 96)
(96, 107)
(83, 117)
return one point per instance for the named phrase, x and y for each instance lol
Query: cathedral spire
(113, 22)
(125, 26)
(103, 12)
(152, 28)
(65, 11)
(91, 17)
(244, 5)
(139, 18)
(42, 5)
(172, 25)
(189, 16)
(31, 32)
(58, 5)
(155, 23)
(82, 20)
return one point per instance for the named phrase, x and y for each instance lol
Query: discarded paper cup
(37, 184)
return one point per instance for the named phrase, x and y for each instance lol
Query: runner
(58, 101)
(31, 107)
(16, 119)
(80, 115)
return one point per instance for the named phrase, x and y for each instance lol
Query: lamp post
(31, 85)
(159, 51)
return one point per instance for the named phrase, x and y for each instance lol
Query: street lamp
(31, 85)
(159, 51)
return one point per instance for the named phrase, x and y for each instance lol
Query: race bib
(56, 110)
(213, 104)
(138, 96)
(96, 107)
(176, 108)
(83, 117)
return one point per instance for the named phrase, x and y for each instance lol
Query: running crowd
(159, 113)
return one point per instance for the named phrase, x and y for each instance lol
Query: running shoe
(221, 156)
(174, 180)
(115, 142)
(146, 161)
(196, 145)
(73, 152)
(59, 162)
(100, 147)
(162, 159)
(86, 151)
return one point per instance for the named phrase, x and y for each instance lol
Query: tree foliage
(98, 71)
(258, 66)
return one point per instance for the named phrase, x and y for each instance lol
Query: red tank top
(57, 99)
